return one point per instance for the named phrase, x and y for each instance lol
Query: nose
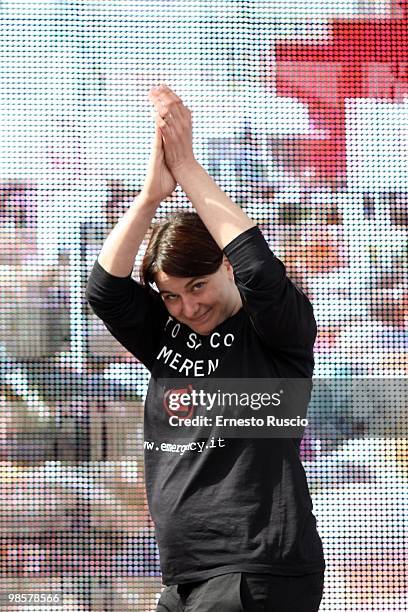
(190, 307)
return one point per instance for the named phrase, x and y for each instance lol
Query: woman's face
(201, 302)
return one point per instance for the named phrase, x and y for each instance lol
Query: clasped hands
(174, 121)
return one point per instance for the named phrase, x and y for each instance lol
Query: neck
(238, 304)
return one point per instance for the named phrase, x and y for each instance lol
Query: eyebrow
(193, 280)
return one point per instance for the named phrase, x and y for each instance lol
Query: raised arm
(134, 314)
(121, 246)
(221, 216)
(123, 243)
(281, 314)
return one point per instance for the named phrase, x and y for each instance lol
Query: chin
(203, 330)
(206, 327)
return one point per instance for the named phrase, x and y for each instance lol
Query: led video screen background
(300, 113)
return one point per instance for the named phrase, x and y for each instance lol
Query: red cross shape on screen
(363, 58)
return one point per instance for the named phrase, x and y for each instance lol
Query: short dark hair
(181, 246)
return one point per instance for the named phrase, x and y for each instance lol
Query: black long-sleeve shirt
(243, 506)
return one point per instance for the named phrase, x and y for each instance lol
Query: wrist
(144, 200)
(185, 170)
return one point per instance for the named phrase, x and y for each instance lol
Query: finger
(161, 108)
(153, 114)
(165, 88)
(159, 125)
(157, 136)
(164, 91)
(160, 122)
(176, 113)
(164, 135)
(167, 133)
(165, 101)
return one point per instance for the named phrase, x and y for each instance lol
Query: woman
(233, 517)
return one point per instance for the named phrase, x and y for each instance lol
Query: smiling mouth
(201, 318)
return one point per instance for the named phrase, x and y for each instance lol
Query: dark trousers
(245, 592)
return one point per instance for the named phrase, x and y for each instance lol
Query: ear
(226, 262)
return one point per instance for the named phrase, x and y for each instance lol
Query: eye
(198, 285)
(170, 297)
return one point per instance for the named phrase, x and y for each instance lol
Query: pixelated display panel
(300, 113)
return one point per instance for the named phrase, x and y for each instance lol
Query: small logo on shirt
(175, 403)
